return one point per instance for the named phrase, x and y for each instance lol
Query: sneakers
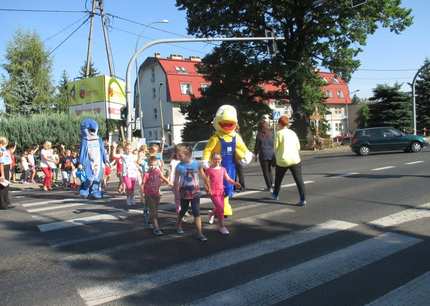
(223, 230)
(157, 232)
(211, 217)
(202, 238)
(302, 203)
(179, 231)
(275, 196)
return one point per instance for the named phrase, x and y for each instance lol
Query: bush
(59, 128)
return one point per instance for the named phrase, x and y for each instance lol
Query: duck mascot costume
(92, 157)
(230, 145)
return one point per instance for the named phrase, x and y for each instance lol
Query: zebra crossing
(268, 287)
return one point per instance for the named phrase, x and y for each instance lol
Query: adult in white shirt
(287, 153)
(47, 163)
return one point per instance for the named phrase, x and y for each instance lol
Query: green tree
(83, 71)
(363, 116)
(28, 67)
(62, 96)
(317, 34)
(228, 86)
(422, 91)
(392, 107)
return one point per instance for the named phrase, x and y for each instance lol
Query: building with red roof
(166, 83)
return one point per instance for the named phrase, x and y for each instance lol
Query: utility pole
(90, 37)
(106, 38)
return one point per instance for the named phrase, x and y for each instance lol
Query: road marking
(116, 290)
(383, 168)
(282, 285)
(416, 292)
(407, 215)
(86, 239)
(56, 207)
(346, 174)
(257, 220)
(58, 201)
(77, 222)
(415, 162)
(100, 255)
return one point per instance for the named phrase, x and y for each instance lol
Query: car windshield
(200, 146)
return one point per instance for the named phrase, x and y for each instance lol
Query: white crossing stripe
(99, 256)
(258, 219)
(55, 207)
(58, 201)
(282, 285)
(346, 174)
(77, 222)
(407, 215)
(383, 168)
(415, 162)
(116, 290)
(414, 293)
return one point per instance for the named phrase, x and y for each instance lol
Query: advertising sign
(101, 94)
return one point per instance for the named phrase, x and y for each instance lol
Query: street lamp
(137, 73)
(163, 139)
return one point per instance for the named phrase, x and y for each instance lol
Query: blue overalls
(228, 150)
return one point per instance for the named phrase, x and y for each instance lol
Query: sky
(386, 59)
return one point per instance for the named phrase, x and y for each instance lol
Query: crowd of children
(146, 169)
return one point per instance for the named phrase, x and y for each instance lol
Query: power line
(68, 36)
(64, 29)
(39, 11)
(137, 35)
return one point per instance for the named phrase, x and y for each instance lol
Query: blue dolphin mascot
(92, 158)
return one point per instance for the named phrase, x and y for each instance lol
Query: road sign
(276, 115)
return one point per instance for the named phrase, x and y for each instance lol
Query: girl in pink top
(216, 175)
(151, 188)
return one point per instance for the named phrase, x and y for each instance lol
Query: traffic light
(124, 113)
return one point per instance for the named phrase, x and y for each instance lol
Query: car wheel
(364, 150)
(415, 147)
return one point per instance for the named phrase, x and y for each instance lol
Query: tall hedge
(59, 128)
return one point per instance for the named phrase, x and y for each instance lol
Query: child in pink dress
(216, 175)
(151, 188)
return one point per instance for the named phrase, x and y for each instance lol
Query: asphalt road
(362, 239)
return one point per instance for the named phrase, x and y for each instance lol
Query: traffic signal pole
(167, 41)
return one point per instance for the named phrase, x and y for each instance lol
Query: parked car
(198, 149)
(376, 139)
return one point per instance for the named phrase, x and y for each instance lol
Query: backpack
(189, 188)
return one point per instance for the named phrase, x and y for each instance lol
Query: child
(187, 186)
(25, 167)
(117, 160)
(216, 175)
(154, 151)
(66, 165)
(151, 187)
(130, 173)
(172, 168)
(32, 162)
(143, 167)
(74, 178)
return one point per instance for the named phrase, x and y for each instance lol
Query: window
(204, 87)
(340, 94)
(186, 89)
(152, 74)
(338, 126)
(154, 93)
(328, 93)
(150, 134)
(155, 113)
(335, 81)
(180, 69)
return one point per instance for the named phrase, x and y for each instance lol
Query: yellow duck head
(225, 121)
